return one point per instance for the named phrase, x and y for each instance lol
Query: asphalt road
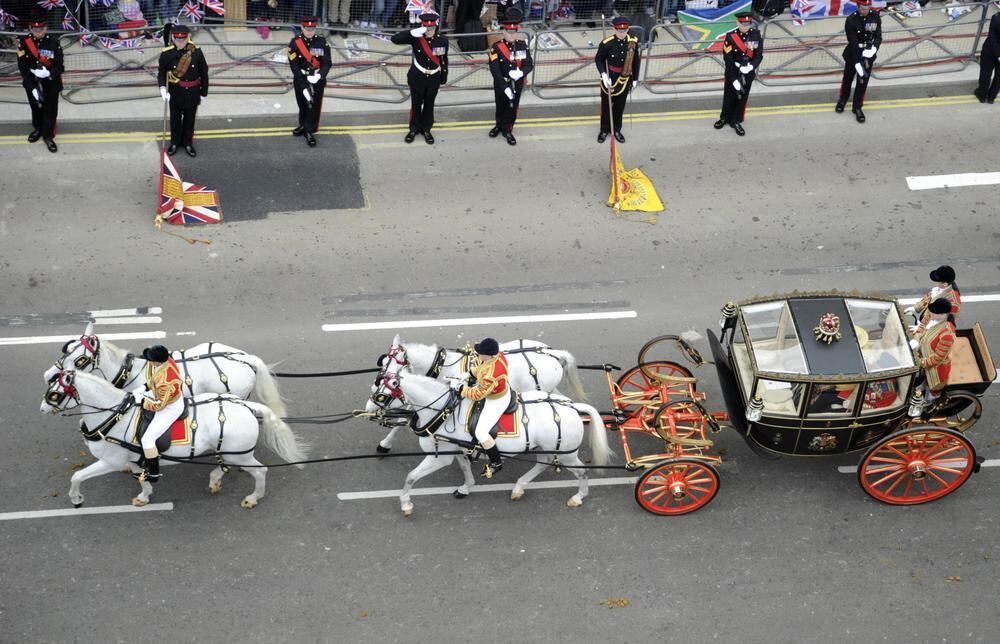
(367, 229)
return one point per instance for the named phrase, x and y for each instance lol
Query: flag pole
(611, 118)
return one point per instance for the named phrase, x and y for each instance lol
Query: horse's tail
(277, 435)
(599, 447)
(574, 387)
(266, 387)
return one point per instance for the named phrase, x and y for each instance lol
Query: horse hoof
(408, 510)
(382, 450)
(137, 502)
(78, 504)
(459, 495)
(248, 503)
(215, 487)
(516, 494)
(574, 502)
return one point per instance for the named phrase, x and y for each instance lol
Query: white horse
(110, 420)
(531, 366)
(206, 368)
(548, 422)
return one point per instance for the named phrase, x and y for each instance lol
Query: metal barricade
(676, 64)
(564, 62)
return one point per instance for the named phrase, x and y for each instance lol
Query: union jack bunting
(193, 11)
(101, 3)
(216, 6)
(7, 19)
(183, 203)
(69, 22)
(420, 6)
(49, 5)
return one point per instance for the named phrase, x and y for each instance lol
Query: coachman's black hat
(488, 347)
(156, 353)
(944, 274)
(940, 306)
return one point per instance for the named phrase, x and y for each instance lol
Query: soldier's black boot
(859, 115)
(602, 136)
(718, 125)
(495, 464)
(37, 134)
(299, 131)
(840, 107)
(739, 129)
(410, 136)
(429, 137)
(981, 95)
(310, 139)
(495, 132)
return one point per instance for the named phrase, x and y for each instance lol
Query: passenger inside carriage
(831, 399)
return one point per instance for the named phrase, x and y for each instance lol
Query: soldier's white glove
(606, 79)
(515, 74)
(41, 73)
(165, 94)
(306, 94)
(746, 69)
(203, 99)
(38, 97)
(737, 86)
(860, 69)
(457, 385)
(313, 78)
(870, 52)
(509, 93)
(418, 32)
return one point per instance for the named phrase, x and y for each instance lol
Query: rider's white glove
(860, 69)
(457, 385)
(313, 78)
(306, 94)
(515, 74)
(165, 94)
(870, 52)
(41, 73)
(746, 69)
(509, 93)
(606, 79)
(418, 32)
(737, 86)
(914, 343)
(38, 97)
(137, 395)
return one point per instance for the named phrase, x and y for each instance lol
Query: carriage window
(780, 398)
(775, 342)
(741, 354)
(832, 399)
(881, 337)
(885, 395)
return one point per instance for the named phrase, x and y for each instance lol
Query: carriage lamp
(755, 409)
(728, 313)
(916, 404)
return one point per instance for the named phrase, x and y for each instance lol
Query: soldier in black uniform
(309, 56)
(742, 51)
(510, 60)
(989, 64)
(428, 72)
(184, 71)
(617, 60)
(40, 61)
(864, 37)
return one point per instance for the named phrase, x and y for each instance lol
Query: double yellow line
(540, 122)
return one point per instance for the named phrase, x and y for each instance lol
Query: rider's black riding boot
(153, 470)
(495, 464)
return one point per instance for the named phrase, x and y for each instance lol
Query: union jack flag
(420, 6)
(7, 19)
(49, 5)
(69, 22)
(192, 11)
(216, 6)
(102, 3)
(183, 203)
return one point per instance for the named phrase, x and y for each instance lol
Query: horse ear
(90, 328)
(396, 341)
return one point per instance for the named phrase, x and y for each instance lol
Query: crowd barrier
(366, 66)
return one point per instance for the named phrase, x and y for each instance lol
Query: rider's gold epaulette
(607, 40)
(168, 48)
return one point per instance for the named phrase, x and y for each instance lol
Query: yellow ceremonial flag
(631, 189)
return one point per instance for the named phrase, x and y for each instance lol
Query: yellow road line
(540, 122)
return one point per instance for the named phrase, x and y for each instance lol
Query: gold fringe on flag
(631, 190)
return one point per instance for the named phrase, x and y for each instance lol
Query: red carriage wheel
(917, 465)
(635, 381)
(676, 486)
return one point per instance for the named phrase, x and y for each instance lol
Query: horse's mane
(418, 346)
(99, 382)
(115, 352)
(424, 381)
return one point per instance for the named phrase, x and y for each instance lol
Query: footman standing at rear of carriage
(40, 61)
(183, 80)
(742, 51)
(510, 60)
(309, 57)
(617, 61)
(428, 72)
(864, 37)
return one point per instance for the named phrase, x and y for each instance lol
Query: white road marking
(152, 310)
(54, 339)
(186, 333)
(987, 297)
(953, 180)
(509, 319)
(106, 509)
(489, 487)
(852, 469)
(133, 320)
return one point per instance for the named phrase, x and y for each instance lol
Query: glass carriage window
(885, 395)
(775, 342)
(780, 398)
(832, 399)
(741, 353)
(881, 337)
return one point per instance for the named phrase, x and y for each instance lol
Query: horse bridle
(395, 392)
(54, 398)
(90, 343)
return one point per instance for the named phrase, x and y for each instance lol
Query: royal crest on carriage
(822, 443)
(828, 329)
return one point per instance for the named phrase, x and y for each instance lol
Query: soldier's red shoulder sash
(305, 53)
(29, 42)
(426, 46)
(505, 52)
(742, 45)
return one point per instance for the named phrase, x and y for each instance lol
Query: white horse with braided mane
(531, 366)
(548, 423)
(110, 419)
(209, 367)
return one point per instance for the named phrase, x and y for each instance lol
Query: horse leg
(146, 487)
(386, 443)
(429, 465)
(573, 463)
(254, 468)
(466, 488)
(215, 480)
(98, 468)
(529, 476)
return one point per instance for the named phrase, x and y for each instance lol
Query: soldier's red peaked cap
(745, 17)
(512, 18)
(428, 19)
(179, 30)
(37, 21)
(620, 21)
(309, 21)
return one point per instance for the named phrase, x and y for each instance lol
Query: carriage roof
(782, 335)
